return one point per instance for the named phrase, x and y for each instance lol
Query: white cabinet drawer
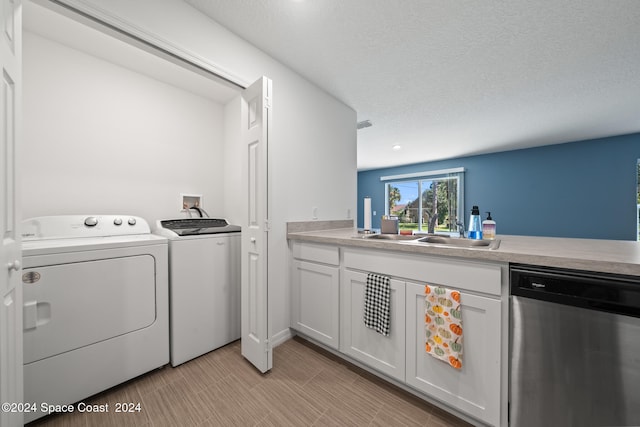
(460, 274)
(316, 252)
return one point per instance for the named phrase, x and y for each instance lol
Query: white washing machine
(95, 305)
(204, 285)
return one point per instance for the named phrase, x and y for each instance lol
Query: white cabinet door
(383, 353)
(315, 295)
(475, 388)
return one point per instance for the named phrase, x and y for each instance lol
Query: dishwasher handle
(611, 293)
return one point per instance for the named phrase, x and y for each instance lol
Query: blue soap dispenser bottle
(475, 224)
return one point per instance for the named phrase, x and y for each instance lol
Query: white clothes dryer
(204, 285)
(95, 305)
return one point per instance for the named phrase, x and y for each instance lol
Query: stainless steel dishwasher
(574, 348)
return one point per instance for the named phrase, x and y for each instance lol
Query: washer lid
(59, 246)
(197, 226)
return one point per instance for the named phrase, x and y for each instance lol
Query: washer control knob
(91, 221)
(117, 221)
(132, 221)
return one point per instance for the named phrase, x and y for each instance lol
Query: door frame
(11, 381)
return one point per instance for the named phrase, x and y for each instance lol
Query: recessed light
(397, 147)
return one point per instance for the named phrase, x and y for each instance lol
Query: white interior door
(256, 122)
(11, 389)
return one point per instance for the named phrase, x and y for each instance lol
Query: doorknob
(15, 265)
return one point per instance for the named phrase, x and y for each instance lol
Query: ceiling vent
(364, 124)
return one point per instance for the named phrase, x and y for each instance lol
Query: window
(638, 201)
(426, 201)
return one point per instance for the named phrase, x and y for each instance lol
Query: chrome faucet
(460, 225)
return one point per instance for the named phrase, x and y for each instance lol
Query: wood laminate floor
(306, 387)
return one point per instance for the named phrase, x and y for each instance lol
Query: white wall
(312, 157)
(99, 138)
(313, 141)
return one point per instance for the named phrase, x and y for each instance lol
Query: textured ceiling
(452, 78)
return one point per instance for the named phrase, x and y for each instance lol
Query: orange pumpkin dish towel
(443, 324)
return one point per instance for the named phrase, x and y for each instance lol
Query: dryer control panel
(79, 226)
(198, 226)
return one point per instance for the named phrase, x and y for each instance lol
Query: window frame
(419, 177)
(638, 201)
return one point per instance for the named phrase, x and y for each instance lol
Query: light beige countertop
(610, 256)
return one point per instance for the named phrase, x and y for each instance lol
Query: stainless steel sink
(459, 242)
(435, 240)
(394, 236)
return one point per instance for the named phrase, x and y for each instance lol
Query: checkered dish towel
(377, 303)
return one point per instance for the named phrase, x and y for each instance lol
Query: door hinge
(267, 346)
(267, 225)
(267, 102)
